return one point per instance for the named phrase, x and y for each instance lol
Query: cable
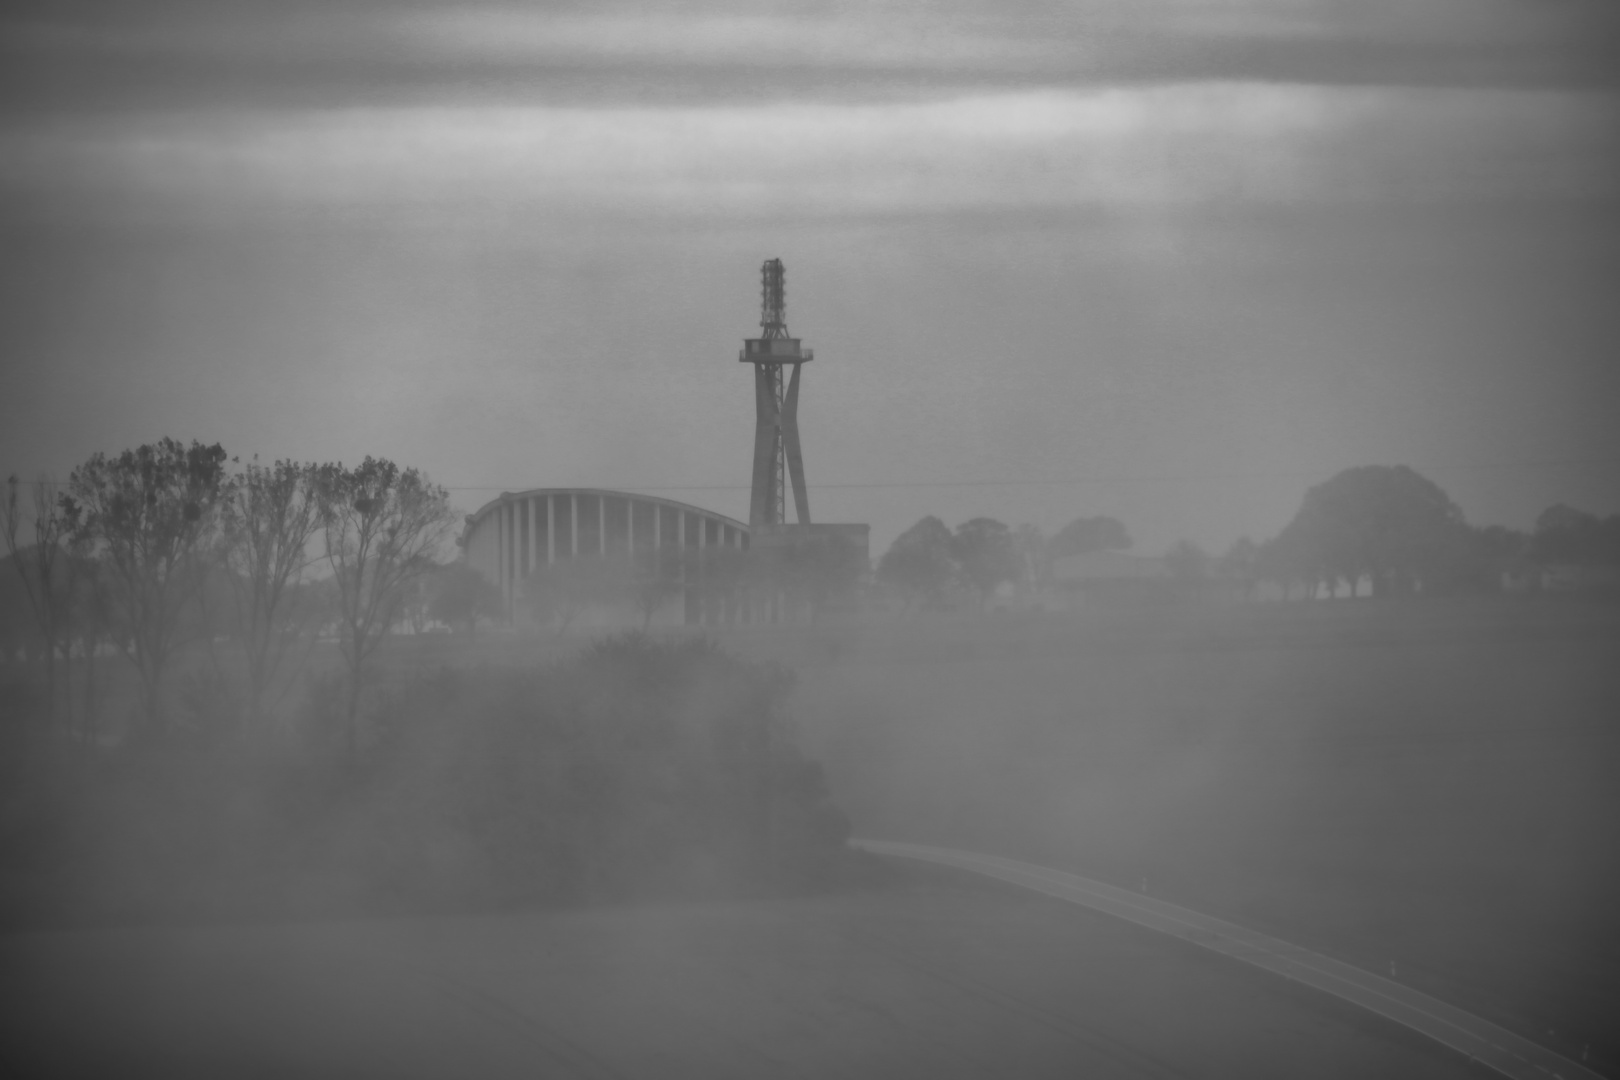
(1052, 482)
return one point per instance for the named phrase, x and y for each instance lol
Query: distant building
(1109, 576)
(510, 538)
(514, 537)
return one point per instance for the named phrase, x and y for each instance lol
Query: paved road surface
(1493, 1046)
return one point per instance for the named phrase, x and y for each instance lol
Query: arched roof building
(512, 536)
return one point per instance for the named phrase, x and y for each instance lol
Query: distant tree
(984, 552)
(152, 515)
(657, 578)
(1485, 556)
(1562, 518)
(1241, 564)
(382, 528)
(270, 515)
(19, 632)
(1089, 534)
(1568, 536)
(90, 625)
(1385, 523)
(43, 571)
(460, 596)
(418, 600)
(919, 562)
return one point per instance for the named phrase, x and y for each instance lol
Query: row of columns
(512, 513)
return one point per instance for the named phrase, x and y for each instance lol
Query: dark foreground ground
(924, 974)
(1424, 788)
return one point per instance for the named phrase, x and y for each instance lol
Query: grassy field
(1428, 788)
(931, 975)
(1423, 788)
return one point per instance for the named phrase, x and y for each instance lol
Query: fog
(1416, 786)
(411, 662)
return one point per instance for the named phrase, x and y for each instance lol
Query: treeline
(1401, 534)
(1383, 529)
(201, 584)
(166, 546)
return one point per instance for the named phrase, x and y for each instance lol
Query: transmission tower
(777, 457)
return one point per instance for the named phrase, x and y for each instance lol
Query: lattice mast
(777, 457)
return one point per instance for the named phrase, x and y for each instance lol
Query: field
(916, 975)
(1423, 788)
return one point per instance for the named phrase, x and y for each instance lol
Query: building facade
(511, 538)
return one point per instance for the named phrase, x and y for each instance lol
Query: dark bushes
(642, 768)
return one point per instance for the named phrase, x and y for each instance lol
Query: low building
(511, 538)
(514, 539)
(1115, 576)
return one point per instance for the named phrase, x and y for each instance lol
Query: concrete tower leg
(790, 446)
(762, 510)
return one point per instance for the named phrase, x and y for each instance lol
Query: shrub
(641, 768)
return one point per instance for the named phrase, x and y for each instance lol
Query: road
(1493, 1046)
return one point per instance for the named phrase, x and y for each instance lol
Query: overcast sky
(1170, 260)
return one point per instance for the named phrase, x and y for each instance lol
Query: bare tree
(151, 513)
(271, 514)
(657, 578)
(461, 596)
(41, 565)
(90, 625)
(382, 527)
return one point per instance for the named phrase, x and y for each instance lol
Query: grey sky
(1195, 260)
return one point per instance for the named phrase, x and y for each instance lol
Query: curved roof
(508, 496)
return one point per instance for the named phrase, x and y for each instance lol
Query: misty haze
(718, 540)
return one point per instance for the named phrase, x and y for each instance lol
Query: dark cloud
(164, 53)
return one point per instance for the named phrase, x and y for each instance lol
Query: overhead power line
(1072, 481)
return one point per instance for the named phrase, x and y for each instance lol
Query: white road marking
(1493, 1046)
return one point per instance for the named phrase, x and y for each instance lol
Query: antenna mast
(777, 457)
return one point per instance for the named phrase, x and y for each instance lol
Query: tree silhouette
(985, 553)
(270, 514)
(919, 562)
(152, 514)
(460, 596)
(44, 571)
(382, 527)
(1384, 523)
(1575, 537)
(657, 578)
